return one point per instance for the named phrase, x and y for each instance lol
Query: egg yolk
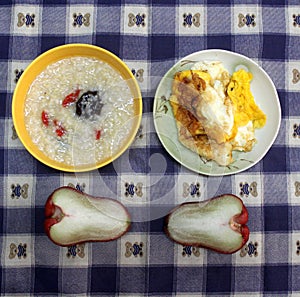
(245, 108)
(186, 76)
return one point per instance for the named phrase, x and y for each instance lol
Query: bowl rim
(124, 71)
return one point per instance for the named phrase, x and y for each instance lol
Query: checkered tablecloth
(150, 36)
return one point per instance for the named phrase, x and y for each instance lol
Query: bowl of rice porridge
(77, 107)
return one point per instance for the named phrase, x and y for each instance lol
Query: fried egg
(214, 108)
(245, 107)
(222, 104)
(244, 138)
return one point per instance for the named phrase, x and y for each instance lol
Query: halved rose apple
(73, 217)
(218, 223)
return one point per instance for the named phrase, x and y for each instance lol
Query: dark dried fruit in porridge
(89, 104)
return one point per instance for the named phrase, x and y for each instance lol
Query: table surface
(150, 36)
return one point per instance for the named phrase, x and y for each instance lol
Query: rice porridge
(79, 111)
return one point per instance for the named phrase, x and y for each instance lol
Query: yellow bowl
(52, 56)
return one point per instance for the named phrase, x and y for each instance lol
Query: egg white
(218, 113)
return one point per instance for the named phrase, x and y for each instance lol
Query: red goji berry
(60, 130)
(45, 118)
(98, 134)
(70, 98)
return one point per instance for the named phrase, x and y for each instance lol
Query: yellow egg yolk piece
(187, 76)
(245, 108)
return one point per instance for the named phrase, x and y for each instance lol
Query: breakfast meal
(215, 112)
(79, 111)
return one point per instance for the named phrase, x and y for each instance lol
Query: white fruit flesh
(85, 218)
(208, 224)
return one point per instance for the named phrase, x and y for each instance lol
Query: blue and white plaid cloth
(150, 36)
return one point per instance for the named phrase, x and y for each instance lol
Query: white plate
(265, 95)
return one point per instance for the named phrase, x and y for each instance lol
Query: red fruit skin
(49, 212)
(48, 223)
(50, 208)
(241, 219)
(245, 233)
